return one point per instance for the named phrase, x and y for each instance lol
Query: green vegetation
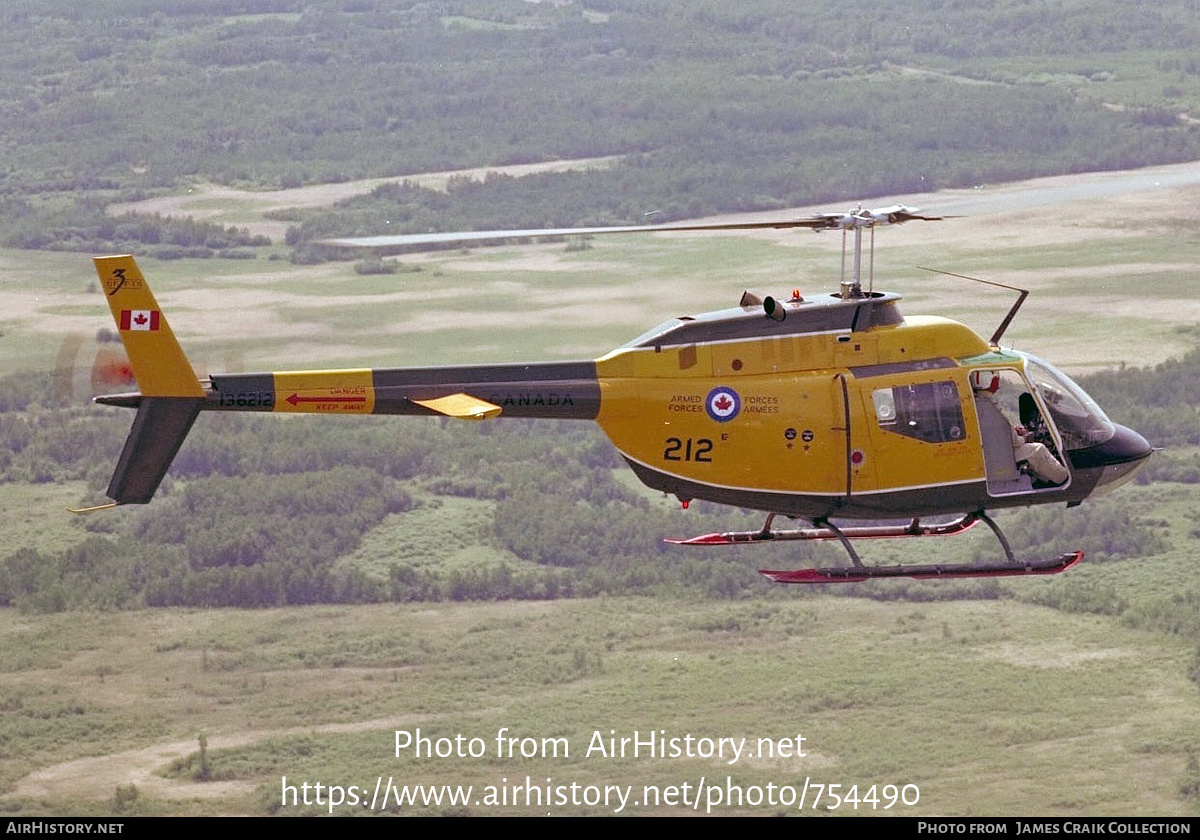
(989, 708)
(1156, 403)
(94, 232)
(715, 106)
(261, 511)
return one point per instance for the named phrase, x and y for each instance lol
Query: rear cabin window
(931, 412)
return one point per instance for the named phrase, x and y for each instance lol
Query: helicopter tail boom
(170, 396)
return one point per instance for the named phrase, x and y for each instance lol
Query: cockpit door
(1021, 447)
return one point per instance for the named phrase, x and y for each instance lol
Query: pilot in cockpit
(1027, 450)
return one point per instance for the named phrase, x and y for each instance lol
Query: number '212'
(688, 450)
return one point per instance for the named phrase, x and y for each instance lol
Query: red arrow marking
(294, 399)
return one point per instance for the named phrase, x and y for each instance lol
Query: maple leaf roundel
(723, 404)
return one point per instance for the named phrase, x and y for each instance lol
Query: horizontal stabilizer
(462, 406)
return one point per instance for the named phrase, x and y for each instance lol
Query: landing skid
(823, 529)
(925, 572)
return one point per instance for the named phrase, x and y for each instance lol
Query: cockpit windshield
(1080, 422)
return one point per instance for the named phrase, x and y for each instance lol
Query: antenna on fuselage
(1012, 312)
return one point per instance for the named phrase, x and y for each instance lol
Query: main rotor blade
(896, 214)
(481, 235)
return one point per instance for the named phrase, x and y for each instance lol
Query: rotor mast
(859, 220)
(855, 286)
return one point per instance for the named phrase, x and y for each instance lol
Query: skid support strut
(843, 539)
(987, 520)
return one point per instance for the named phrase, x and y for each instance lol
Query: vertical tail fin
(157, 360)
(170, 395)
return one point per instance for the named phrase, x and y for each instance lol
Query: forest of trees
(714, 106)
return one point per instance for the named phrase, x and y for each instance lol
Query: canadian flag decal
(139, 319)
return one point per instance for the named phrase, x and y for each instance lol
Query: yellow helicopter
(815, 408)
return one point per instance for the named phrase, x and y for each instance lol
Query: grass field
(1101, 259)
(986, 707)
